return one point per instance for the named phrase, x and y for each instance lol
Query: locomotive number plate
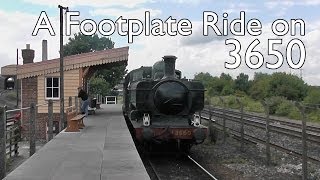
(181, 132)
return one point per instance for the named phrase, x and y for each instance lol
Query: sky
(196, 53)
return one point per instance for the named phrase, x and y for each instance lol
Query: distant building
(40, 80)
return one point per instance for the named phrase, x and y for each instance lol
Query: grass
(281, 107)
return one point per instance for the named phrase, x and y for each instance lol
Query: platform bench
(74, 121)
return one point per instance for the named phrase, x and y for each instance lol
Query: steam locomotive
(160, 107)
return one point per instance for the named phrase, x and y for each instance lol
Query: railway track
(289, 128)
(171, 167)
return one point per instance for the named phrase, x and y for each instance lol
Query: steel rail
(255, 140)
(154, 169)
(312, 136)
(311, 128)
(202, 168)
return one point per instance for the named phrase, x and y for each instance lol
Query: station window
(52, 88)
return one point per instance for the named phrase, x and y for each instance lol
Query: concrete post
(266, 106)
(32, 129)
(242, 125)
(211, 127)
(224, 119)
(50, 120)
(2, 143)
(304, 142)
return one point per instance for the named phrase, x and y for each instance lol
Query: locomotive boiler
(160, 107)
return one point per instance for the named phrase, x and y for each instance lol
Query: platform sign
(111, 99)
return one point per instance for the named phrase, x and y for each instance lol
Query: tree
(226, 77)
(205, 78)
(242, 82)
(260, 86)
(288, 85)
(99, 86)
(226, 84)
(113, 76)
(83, 44)
(313, 96)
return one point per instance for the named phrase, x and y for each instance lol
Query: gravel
(227, 161)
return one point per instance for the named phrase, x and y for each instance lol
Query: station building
(40, 81)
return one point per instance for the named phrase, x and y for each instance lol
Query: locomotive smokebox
(169, 66)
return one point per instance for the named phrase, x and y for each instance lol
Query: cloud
(237, 7)
(126, 13)
(16, 33)
(189, 2)
(289, 3)
(91, 3)
(197, 37)
(107, 3)
(210, 55)
(195, 53)
(283, 6)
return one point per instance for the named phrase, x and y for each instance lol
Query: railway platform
(102, 150)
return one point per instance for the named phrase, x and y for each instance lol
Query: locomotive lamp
(196, 121)
(146, 119)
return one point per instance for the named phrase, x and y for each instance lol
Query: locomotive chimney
(44, 50)
(169, 66)
(27, 55)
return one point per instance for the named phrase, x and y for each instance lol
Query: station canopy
(70, 62)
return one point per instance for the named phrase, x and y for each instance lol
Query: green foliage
(113, 75)
(294, 114)
(99, 85)
(227, 90)
(223, 85)
(288, 85)
(285, 108)
(274, 101)
(83, 44)
(205, 78)
(313, 96)
(314, 115)
(260, 86)
(242, 82)
(280, 89)
(278, 84)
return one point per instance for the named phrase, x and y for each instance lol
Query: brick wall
(29, 95)
(41, 122)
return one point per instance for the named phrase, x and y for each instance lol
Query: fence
(13, 133)
(306, 133)
(10, 130)
(111, 99)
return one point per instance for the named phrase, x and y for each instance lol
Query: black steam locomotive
(159, 106)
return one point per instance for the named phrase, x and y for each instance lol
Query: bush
(285, 108)
(314, 115)
(275, 101)
(294, 114)
(254, 106)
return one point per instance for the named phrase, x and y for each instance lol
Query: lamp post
(62, 121)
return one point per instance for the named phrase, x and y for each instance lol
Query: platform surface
(104, 149)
